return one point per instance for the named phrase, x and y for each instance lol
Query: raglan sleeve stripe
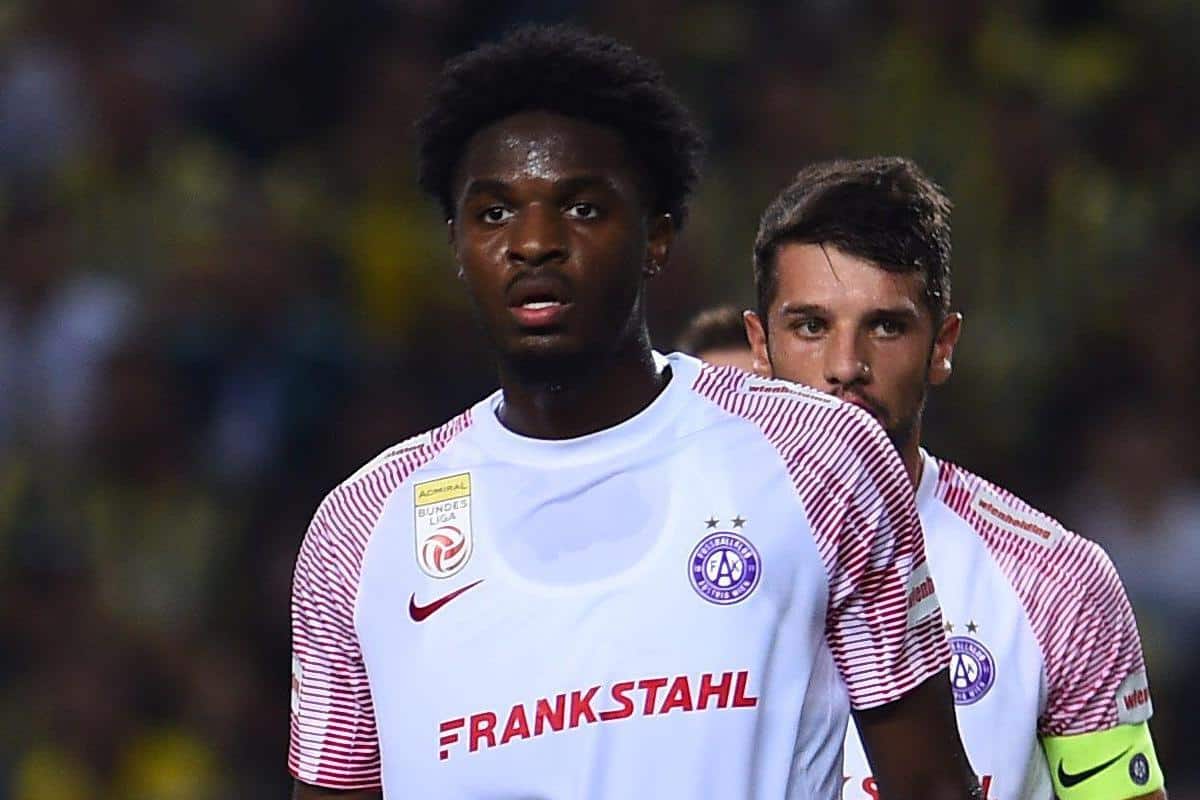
(1096, 675)
(333, 740)
(883, 625)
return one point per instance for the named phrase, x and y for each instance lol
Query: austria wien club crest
(972, 671)
(724, 568)
(442, 526)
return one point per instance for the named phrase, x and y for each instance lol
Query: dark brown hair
(884, 210)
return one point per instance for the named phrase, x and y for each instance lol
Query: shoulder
(346, 517)
(382, 474)
(1043, 560)
(822, 440)
(748, 395)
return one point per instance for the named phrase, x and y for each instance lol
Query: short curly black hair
(885, 210)
(562, 69)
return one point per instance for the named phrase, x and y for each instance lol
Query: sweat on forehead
(544, 146)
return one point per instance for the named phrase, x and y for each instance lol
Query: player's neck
(910, 454)
(914, 465)
(608, 393)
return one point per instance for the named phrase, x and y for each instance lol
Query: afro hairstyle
(566, 71)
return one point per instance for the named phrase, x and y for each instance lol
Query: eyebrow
(904, 312)
(582, 183)
(485, 186)
(802, 309)
(812, 309)
(564, 187)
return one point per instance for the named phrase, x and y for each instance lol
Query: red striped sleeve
(1075, 603)
(334, 743)
(883, 623)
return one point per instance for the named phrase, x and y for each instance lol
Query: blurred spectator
(44, 117)
(57, 325)
(1138, 499)
(139, 482)
(253, 327)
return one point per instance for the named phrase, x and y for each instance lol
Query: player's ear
(941, 358)
(660, 235)
(756, 333)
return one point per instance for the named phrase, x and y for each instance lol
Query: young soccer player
(852, 267)
(621, 575)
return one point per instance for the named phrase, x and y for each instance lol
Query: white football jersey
(1042, 638)
(683, 605)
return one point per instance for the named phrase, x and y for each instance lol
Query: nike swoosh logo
(420, 613)
(1069, 779)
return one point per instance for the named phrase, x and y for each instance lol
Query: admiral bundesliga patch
(442, 527)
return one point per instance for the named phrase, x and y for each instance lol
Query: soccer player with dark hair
(852, 268)
(621, 575)
(718, 336)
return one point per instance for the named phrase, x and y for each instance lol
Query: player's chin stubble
(548, 370)
(903, 431)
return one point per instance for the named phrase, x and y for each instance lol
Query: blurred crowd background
(220, 293)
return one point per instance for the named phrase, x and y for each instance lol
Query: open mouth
(538, 302)
(540, 313)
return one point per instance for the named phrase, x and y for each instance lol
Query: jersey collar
(636, 432)
(927, 486)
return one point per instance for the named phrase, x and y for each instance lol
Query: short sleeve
(1095, 673)
(884, 625)
(334, 743)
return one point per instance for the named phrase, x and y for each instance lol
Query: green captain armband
(1116, 764)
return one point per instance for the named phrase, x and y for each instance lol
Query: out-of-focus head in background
(717, 335)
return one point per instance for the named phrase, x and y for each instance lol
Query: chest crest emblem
(972, 668)
(442, 525)
(725, 567)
